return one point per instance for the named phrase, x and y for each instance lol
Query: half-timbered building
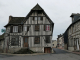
(33, 31)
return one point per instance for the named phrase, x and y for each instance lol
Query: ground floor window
(14, 42)
(37, 40)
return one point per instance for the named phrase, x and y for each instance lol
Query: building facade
(33, 31)
(72, 34)
(60, 41)
(54, 42)
(1, 42)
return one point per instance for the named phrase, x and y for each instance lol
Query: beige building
(60, 41)
(72, 34)
(54, 43)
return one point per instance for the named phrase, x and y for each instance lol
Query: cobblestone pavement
(61, 55)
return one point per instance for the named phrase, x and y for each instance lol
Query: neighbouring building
(33, 31)
(2, 42)
(60, 41)
(54, 43)
(72, 34)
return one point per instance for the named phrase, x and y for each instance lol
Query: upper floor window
(47, 39)
(37, 40)
(26, 28)
(35, 18)
(36, 27)
(15, 28)
(40, 18)
(39, 12)
(46, 27)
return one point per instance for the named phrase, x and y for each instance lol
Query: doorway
(25, 42)
(47, 50)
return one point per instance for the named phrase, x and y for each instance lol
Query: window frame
(37, 27)
(13, 42)
(35, 18)
(47, 39)
(15, 29)
(38, 42)
(45, 28)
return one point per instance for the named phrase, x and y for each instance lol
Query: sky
(59, 12)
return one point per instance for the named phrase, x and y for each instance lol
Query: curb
(70, 52)
(23, 54)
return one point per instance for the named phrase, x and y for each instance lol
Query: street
(59, 51)
(59, 55)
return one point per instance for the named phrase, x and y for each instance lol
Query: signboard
(3, 30)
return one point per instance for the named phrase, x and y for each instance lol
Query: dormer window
(15, 28)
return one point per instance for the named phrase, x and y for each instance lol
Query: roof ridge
(37, 7)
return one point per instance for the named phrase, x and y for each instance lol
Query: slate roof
(2, 36)
(16, 20)
(75, 14)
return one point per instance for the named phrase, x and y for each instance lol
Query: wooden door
(25, 41)
(47, 50)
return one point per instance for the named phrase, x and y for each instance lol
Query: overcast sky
(58, 10)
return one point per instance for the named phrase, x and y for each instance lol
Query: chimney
(10, 17)
(77, 13)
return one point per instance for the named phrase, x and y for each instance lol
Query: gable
(37, 8)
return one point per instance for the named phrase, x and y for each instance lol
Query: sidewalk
(74, 52)
(23, 54)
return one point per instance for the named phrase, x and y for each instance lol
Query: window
(46, 27)
(14, 41)
(25, 28)
(40, 18)
(36, 27)
(47, 39)
(37, 40)
(53, 44)
(15, 28)
(39, 12)
(35, 18)
(26, 40)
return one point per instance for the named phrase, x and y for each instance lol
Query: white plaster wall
(71, 48)
(37, 49)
